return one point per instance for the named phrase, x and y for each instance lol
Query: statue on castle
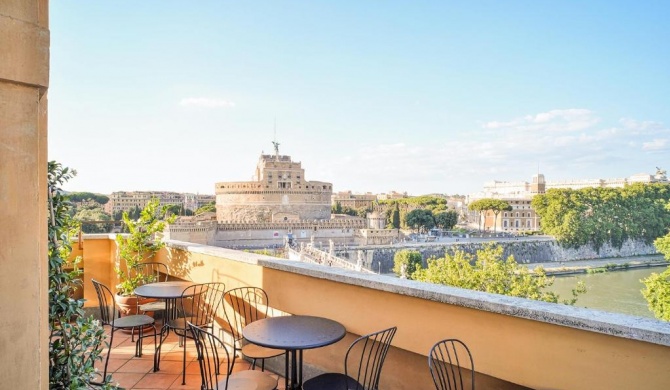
(276, 145)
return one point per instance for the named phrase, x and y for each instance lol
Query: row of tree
(496, 206)
(597, 216)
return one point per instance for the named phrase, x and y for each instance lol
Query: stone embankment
(525, 251)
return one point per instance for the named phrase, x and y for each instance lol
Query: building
(278, 193)
(123, 201)
(354, 201)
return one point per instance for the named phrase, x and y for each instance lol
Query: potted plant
(140, 244)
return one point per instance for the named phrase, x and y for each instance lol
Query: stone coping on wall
(619, 325)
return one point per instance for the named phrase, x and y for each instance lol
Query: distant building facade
(128, 200)
(354, 201)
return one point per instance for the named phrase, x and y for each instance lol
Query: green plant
(75, 342)
(489, 272)
(140, 244)
(406, 262)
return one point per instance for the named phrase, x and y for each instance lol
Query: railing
(309, 254)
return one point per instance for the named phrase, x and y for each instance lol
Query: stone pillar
(24, 79)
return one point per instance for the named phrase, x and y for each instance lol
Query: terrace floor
(135, 373)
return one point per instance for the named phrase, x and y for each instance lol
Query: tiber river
(614, 291)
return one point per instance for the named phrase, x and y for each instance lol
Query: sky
(372, 96)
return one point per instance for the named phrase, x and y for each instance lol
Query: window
(505, 224)
(516, 223)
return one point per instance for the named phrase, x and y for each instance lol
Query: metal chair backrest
(450, 361)
(152, 272)
(208, 358)
(200, 302)
(244, 305)
(106, 301)
(366, 356)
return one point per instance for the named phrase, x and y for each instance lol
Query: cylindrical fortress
(278, 193)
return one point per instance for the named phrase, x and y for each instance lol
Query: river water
(615, 291)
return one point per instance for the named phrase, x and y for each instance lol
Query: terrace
(516, 343)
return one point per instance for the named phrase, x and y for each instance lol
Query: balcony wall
(515, 342)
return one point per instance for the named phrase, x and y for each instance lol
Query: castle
(277, 206)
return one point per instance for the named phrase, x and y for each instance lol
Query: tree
(497, 206)
(337, 208)
(93, 214)
(599, 216)
(407, 262)
(480, 205)
(395, 217)
(420, 219)
(487, 271)
(81, 196)
(657, 286)
(446, 220)
(207, 208)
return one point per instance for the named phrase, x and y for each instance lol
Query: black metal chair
(109, 315)
(243, 306)
(449, 362)
(153, 272)
(210, 361)
(198, 305)
(365, 357)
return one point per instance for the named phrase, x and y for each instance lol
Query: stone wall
(524, 252)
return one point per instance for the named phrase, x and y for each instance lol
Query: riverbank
(600, 265)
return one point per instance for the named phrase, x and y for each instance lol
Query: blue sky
(423, 97)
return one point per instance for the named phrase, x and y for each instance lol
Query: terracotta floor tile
(142, 366)
(127, 380)
(157, 381)
(192, 383)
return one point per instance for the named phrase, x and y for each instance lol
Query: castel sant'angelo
(278, 205)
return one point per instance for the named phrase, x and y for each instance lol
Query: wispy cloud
(206, 102)
(569, 120)
(564, 143)
(655, 145)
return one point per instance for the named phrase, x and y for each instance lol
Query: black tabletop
(294, 332)
(162, 290)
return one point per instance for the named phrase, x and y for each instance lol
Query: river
(615, 291)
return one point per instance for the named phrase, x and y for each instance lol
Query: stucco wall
(515, 342)
(24, 78)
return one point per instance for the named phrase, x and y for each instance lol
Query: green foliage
(336, 208)
(395, 218)
(489, 204)
(208, 208)
(141, 243)
(489, 272)
(81, 196)
(447, 219)
(93, 213)
(657, 294)
(177, 209)
(420, 219)
(598, 216)
(75, 342)
(406, 262)
(657, 286)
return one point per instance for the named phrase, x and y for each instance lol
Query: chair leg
(183, 369)
(109, 352)
(165, 332)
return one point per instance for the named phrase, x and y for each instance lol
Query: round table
(294, 334)
(168, 291)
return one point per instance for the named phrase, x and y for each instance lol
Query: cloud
(563, 144)
(642, 127)
(568, 120)
(206, 102)
(655, 145)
